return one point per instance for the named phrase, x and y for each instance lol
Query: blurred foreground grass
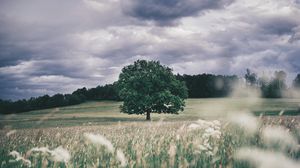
(95, 134)
(148, 144)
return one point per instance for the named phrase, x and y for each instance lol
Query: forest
(199, 86)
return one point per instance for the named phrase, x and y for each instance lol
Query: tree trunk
(148, 116)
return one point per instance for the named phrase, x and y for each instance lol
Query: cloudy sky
(50, 46)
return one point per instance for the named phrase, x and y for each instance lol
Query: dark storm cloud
(43, 27)
(37, 48)
(167, 11)
(294, 60)
(11, 54)
(55, 46)
(279, 26)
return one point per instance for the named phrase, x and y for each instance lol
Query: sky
(55, 46)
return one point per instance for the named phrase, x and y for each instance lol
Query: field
(209, 133)
(107, 112)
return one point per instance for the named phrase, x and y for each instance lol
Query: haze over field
(55, 46)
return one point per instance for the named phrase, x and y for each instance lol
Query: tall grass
(155, 144)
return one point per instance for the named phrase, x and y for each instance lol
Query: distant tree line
(107, 92)
(199, 86)
(208, 85)
(296, 82)
(274, 86)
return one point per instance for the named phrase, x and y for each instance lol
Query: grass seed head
(265, 159)
(99, 140)
(276, 135)
(11, 132)
(18, 157)
(60, 154)
(121, 157)
(244, 120)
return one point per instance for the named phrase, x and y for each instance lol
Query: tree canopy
(251, 78)
(149, 87)
(296, 82)
(208, 85)
(274, 87)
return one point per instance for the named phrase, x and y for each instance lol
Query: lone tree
(149, 87)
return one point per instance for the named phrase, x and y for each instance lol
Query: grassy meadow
(108, 112)
(216, 133)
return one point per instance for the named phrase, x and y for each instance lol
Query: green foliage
(275, 87)
(208, 85)
(106, 92)
(251, 78)
(270, 87)
(296, 82)
(149, 87)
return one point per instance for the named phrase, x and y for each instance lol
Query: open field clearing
(107, 112)
(209, 133)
